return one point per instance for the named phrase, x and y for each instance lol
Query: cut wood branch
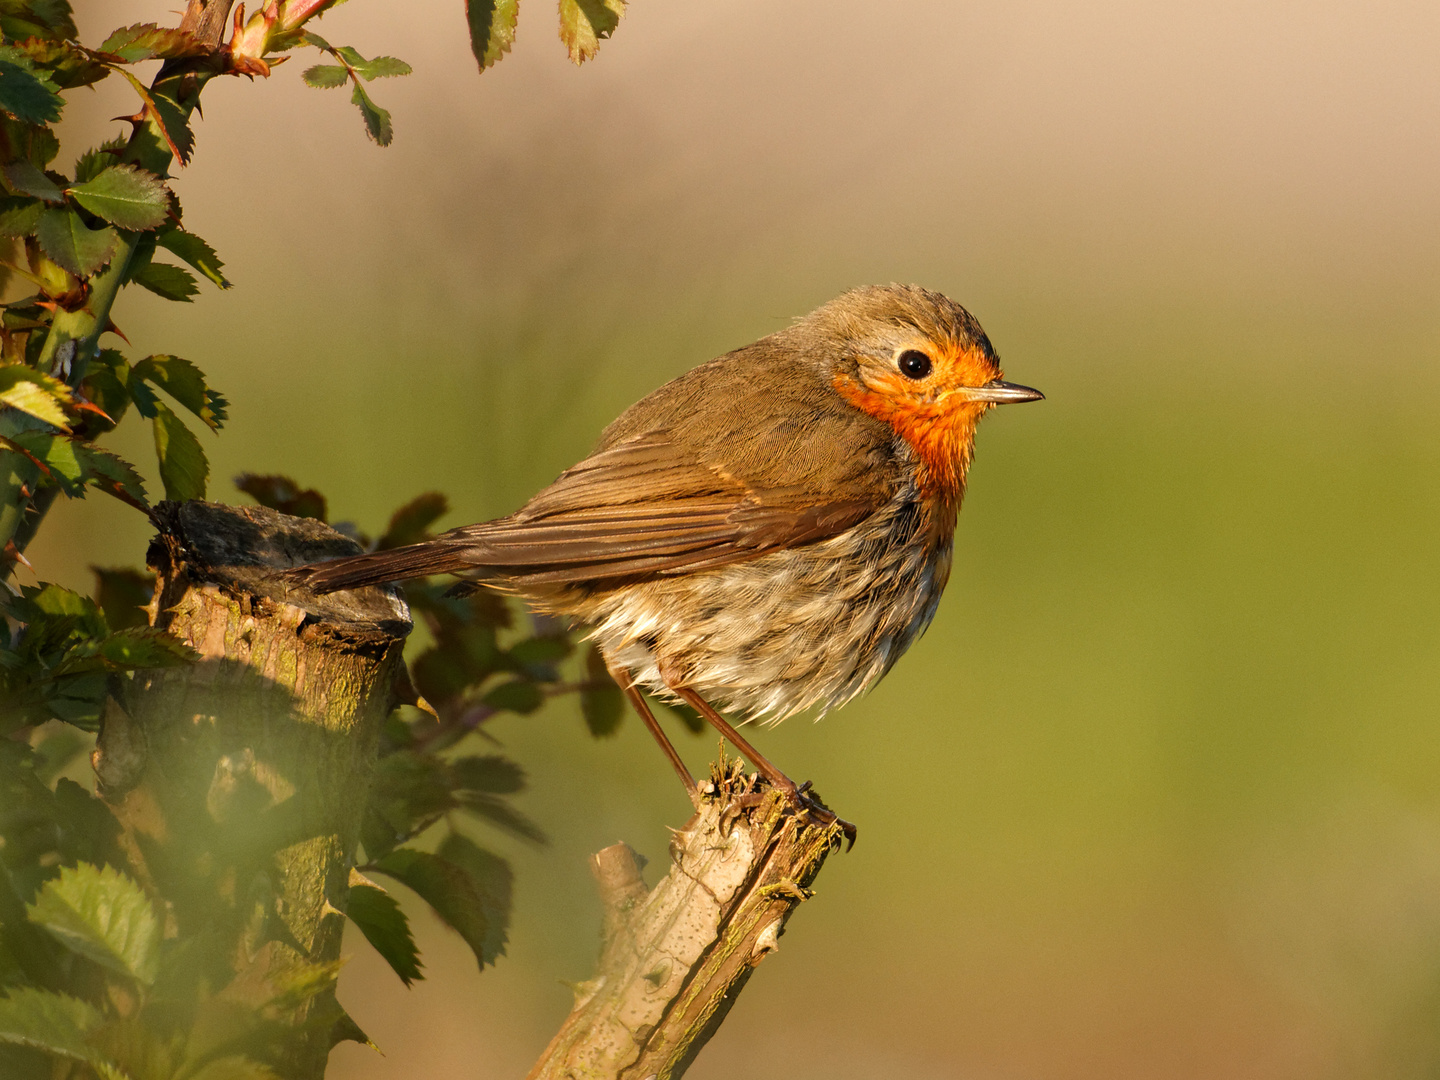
(676, 957)
(239, 780)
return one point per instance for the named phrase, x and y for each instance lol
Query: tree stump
(264, 749)
(676, 957)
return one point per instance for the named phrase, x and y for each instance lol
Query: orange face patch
(940, 429)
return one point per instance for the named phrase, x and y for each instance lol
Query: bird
(767, 533)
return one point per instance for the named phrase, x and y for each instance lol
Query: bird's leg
(624, 681)
(778, 779)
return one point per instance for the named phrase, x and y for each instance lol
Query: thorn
(111, 328)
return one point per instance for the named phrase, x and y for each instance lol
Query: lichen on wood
(675, 957)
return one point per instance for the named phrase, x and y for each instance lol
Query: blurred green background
(1157, 795)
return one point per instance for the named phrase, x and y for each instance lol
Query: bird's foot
(813, 808)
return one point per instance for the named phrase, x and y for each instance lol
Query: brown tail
(397, 564)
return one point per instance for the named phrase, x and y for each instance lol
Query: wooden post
(240, 780)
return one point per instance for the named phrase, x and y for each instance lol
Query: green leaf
(171, 282)
(144, 647)
(104, 916)
(519, 695)
(74, 245)
(28, 94)
(385, 927)
(27, 178)
(127, 196)
(71, 464)
(184, 382)
(488, 773)
(603, 708)
(326, 76)
(40, 396)
(283, 494)
(183, 468)
(110, 473)
(93, 162)
(146, 41)
(377, 120)
(411, 523)
(448, 889)
(19, 216)
(382, 67)
(586, 23)
(54, 1023)
(492, 879)
(501, 814)
(492, 28)
(65, 63)
(194, 251)
(233, 1068)
(41, 18)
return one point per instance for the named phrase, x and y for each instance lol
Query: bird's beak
(999, 393)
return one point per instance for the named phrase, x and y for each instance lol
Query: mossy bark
(676, 957)
(240, 780)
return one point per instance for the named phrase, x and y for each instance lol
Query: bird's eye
(914, 364)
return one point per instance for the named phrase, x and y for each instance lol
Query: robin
(768, 532)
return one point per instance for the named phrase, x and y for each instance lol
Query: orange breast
(943, 437)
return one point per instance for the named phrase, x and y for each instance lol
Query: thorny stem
(73, 337)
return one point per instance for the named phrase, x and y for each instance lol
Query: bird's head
(921, 363)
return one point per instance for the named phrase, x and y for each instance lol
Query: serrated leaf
(384, 925)
(145, 647)
(492, 28)
(19, 216)
(104, 916)
(24, 388)
(146, 41)
(28, 94)
(494, 881)
(377, 120)
(125, 195)
(283, 494)
(42, 18)
(65, 63)
(196, 252)
(586, 23)
(171, 282)
(54, 1023)
(110, 473)
(448, 889)
(326, 76)
(411, 523)
(24, 176)
(71, 464)
(74, 245)
(183, 468)
(184, 382)
(93, 162)
(382, 67)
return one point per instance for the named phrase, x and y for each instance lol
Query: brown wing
(648, 506)
(641, 506)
